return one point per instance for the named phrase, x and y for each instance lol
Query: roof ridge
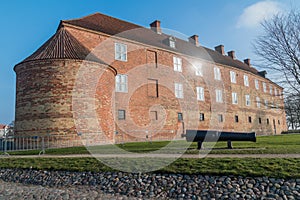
(98, 13)
(81, 17)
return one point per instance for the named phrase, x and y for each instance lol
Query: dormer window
(172, 42)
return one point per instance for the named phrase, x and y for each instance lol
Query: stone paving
(34, 184)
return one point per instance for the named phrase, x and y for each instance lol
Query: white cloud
(256, 13)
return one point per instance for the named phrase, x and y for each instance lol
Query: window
(249, 119)
(271, 89)
(177, 62)
(248, 102)
(256, 84)
(180, 117)
(172, 43)
(217, 73)
(266, 103)
(220, 118)
(201, 117)
(232, 77)
(234, 98)
(121, 114)
(275, 92)
(258, 102)
(259, 120)
(236, 119)
(200, 93)
(268, 121)
(121, 83)
(246, 80)
(219, 96)
(120, 52)
(199, 70)
(264, 87)
(179, 90)
(279, 122)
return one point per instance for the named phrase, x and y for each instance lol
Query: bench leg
(200, 145)
(229, 144)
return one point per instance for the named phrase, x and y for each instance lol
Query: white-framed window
(246, 80)
(219, 97)
(217, 73)
(234, 98)
(256, 84)
(172, 42)
(232, 77)
(258, 102)
(275, 92)
(199, 71)
(177, 63)
(271, 89)
(121, 115)
(266, 103)
(200, 93)
(179, 90)
(120, 51)
(264, 87)
(121, 83)
(248, 101)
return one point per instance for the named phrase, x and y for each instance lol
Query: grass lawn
(249, 167)
(279, 144)
(277, 168)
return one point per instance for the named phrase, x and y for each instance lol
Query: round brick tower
(45, 90)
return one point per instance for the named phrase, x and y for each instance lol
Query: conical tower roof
(62, 45)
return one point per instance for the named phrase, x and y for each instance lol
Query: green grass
(277, 168)
(280, 144)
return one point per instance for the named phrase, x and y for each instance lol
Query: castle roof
(62, 45)
(105, 24)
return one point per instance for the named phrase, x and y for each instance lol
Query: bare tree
(279, 49)
(292, 108)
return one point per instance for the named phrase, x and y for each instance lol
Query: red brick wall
(50, 101)
(44, 95)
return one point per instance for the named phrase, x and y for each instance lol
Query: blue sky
(26, 25)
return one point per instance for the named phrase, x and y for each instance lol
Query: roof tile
(112, 26)
(62, 45)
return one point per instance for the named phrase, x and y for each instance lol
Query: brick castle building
(116, 81)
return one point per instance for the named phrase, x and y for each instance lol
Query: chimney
(247, 62)
(231, 54)
(220, 49)
(194, 40)
(155, 26)
(263, 73)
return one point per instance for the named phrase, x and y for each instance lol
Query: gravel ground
(33, 184)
